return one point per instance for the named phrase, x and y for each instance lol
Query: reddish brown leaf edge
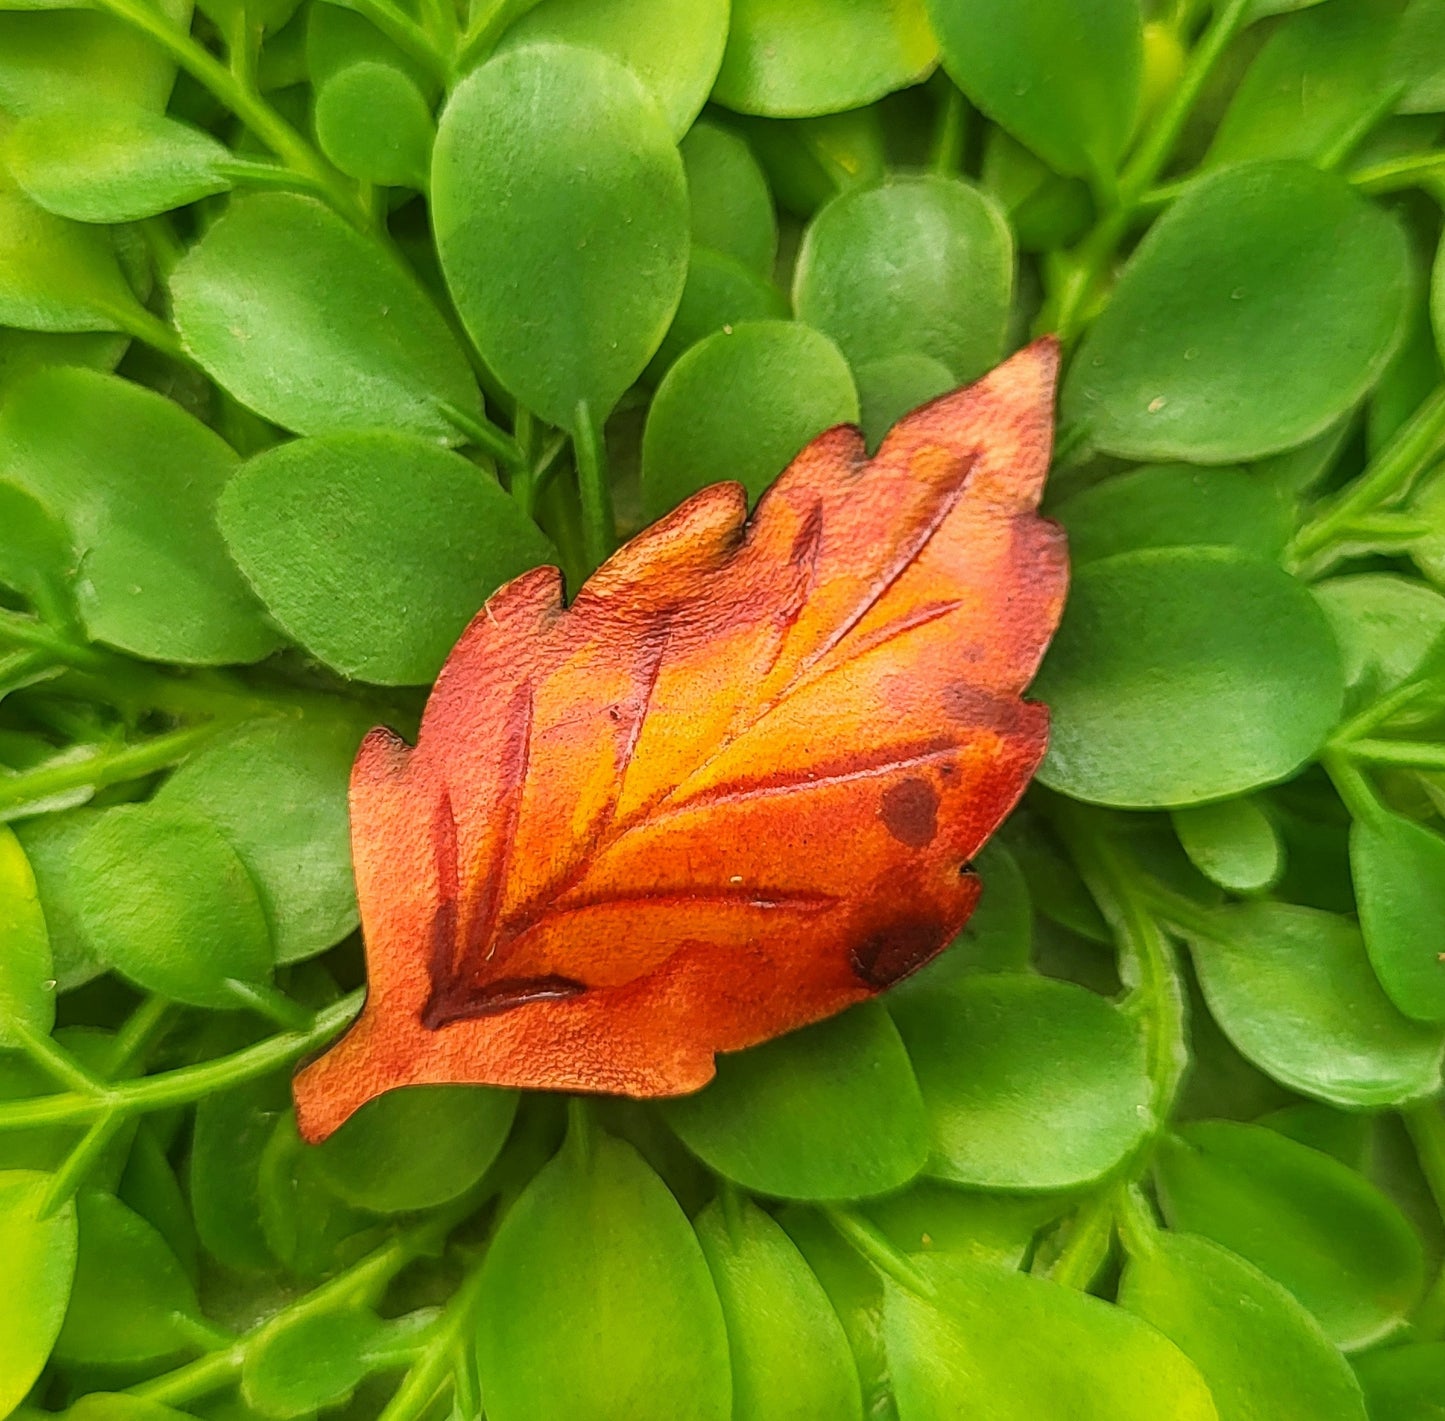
(732, 789)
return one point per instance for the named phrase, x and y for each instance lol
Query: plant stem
(879, 1251)
(189, 1083)
(1399, 173)
(491, 438)
(946, 150)
(1411, 754)
(405, 34)
(429, 1373)
(599, 528)
(1090, 1232)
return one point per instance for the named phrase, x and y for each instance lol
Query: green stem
(1090, 1233)
(438, 1359)
(57, 1062)
(1411, 754)
(189, 1083)
(1351, 785)
(405, 34)
(489, 437)
(599, 528)
(79, 1162)
(1410, 450)
(1399, 173)
(1355, 134)
(946, 151)
(1426, 1124)
(272, 1003)
(146, 326)
(1378, 712)
(879, 1251)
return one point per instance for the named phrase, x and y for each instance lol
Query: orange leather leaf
(732, 789)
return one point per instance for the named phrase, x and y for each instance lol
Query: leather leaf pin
(732, 789)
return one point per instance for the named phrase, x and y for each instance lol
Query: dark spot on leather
(967, 870)
(890, 955)
(969, 704)
(460, 1003)
(909, 811)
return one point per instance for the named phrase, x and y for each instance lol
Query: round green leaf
(1261, 268)
(1062, 76)
(978, 1339)
(890, 388)
(277, 791)
(828, 1112)
(1232, 842)
(1385, 625)
(316, 1361)
(132, 1299)
(1405, 1383)
(416, 1148)
(596, 1300)
(790, 1355)
(49, 841)
(674, 49)
(27, 984)
(135, 480)
(1175, 506)
(39, 1256)
(149, 1185)
(739, 405)
(1029, 1083)
(1264, 1357)
(436, 535)
(1293, 990)
(932, 1217)
(788, 58)
(919, 265)
(1183, 675)
(36, 559)
(170, 905)
(1398, 867)
(560, 210)
(337, 37)
(375, 124)
(99, 162)
(314, 325)
(1314, 1226)
(728, 199)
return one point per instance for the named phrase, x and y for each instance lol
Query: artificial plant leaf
(728, 200)
(790, 1356)
(135, 480)
(338, 36)
(149, 1185)
(1419, 58)
(674, 49)
(739, 405)
(920, 264)
(99, 162)
(277, 790)
(560, 209)
(603, 862)
(788, 58)
(36, 558)
(596, 1300)
(342, 338)
(1063, 77)
(1385, 624)
(27, 982)
(1304, 1219)
(1264, 1357)
(889, 388)
(295, 1369)
(1232, 842)
(976, 1338)
(375, 124)
(1293, 990)
(1181, 675)
(931, 1216)
(828, 1112)
(1404, 1383)
(1028, 1083)
(39, 1256)
(49, 841)
(436, 535)
(1183, 362)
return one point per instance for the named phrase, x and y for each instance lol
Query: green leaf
(149, 1185)
(790, 58)
(338, 37)
(919, 265)
(436, 535)
(375, 124)
(1183, 362)
(674, 49)
(560, 210)
(828, 1112)
(728, 199)
(739, 405)
(1184, 675)
(1264, 1357)
(36, 559)
(277, 791)
(135, 480)
(344, 339)
(416, 1148)
(169, 903)
(1329, 1237)
(1319, 77)
(1385, 625)
(1046, 211)
(1062, 77)
(49, 842)
(1232, 842)
(892, 387)
(596, 1299)
(316, 1361)
(1405, 1383)
(1293, 990)
(1029, 1083)
(809, 160)
(1176, 506)
(39, 1256)
(1419, 59)
(932, 1217)
(1398, 867)
(790, 1355)
(99, 162)
(27, 984)
(132, 1299)
(976, 1339)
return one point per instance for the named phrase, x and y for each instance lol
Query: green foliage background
(323, 320)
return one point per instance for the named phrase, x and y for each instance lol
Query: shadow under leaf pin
(732, 789)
